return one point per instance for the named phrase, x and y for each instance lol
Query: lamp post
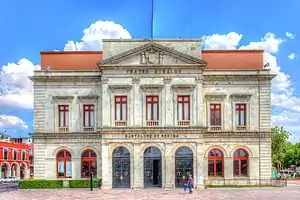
(91, 180)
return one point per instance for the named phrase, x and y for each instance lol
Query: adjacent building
(147, 113)
(15, 158)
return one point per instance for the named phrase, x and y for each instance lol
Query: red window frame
(64, 159)
(183, 102)
(88, 159)
(240, 158)
(152, 100)
(239, 109)
(65, 110)
(15, 154)
(23, 155)
(121, 103)
(88, 109)
(214, 108)
(5, 151)
(215, 158)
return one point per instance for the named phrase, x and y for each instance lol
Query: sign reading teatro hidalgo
(154, 71)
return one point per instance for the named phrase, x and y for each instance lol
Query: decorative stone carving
(115, 88)
(152, 88)
(104, 80)
(152, 56)
(198, 80)
(136, 80)
(241, 97)
(167, 80)
(185, 87)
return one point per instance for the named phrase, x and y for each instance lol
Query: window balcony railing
(183, 122)
(88, 129)
(63, 129)
(120, 123)
(241, 127)
(216, 128)
(152, 123)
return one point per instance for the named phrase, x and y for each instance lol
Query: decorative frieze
(167, 80)
(115, 88)
(136, 80)
(104, 80)
(151, 136)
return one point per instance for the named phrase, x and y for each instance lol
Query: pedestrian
(100, 184)
(185, 186)
(190, 184)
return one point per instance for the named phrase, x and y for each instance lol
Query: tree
(279, 147)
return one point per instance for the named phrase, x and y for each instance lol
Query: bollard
(8, 188)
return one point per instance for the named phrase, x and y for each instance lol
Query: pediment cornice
(145, 50)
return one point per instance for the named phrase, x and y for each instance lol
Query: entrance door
(183, 165)
(152, 167)
(121, 168)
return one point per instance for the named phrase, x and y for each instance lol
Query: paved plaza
(291, 192)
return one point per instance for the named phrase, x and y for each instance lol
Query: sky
(29, 27)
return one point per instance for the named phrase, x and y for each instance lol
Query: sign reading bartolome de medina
(154, 71)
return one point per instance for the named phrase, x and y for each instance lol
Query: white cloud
(292, 56)
(290, 35)
(93, 35)
(284, 100)
(15, 87)
(8, 121)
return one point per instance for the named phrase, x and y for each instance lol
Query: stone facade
(166, 68)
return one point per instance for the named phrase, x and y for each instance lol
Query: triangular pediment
(151, 54)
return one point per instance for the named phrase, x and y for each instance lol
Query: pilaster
(137, 166)
(106, 171)
(228, 167)
(199, 177)
(170, 163)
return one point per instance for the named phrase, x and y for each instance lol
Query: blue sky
(28, 27)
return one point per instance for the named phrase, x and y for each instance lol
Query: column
(199, 177)
(137, 166)
(76, 167)
(169, 166)
(200, 115)
(228, 168)
(169, 112)
(106, 170)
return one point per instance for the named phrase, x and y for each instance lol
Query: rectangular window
(88, 118)
(63, 118)
(120, 110)
(152, 110)
(5, 154)
(15, 155)
(240, 116)
(215, 116)
(183, 110)
(23, 155)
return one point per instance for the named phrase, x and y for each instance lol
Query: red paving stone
(291, 192)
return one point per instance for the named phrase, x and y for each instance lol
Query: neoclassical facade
(147, 113)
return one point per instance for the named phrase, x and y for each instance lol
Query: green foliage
(284, 153)
(83, 183)
(41, 184)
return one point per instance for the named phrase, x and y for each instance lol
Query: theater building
(147, 113)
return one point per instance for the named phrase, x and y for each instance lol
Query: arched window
(5, 154)
(215, 163)
(15, 155)
(240, 162)
(64, 164)
(88, 163)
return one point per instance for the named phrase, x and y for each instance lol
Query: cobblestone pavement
(291, 192)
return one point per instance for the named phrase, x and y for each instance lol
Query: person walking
(190, 183)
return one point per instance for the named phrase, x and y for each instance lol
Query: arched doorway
(4, 170)
(121, 168)
(183, 165)
(152, 167)
(14, 170)
(22, 171)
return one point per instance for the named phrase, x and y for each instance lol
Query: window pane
(69, 169)
(124, 99)
(218, 153)
(236, 153)
(242, 117)
(124, 112)
(179, 111)
(186, 98)
(148, 111)
(85, 154)
(118, 112)
(85, 169)
(237, 117)
(219, 167)
(86, 118)
(118, 99)
(68, 154)
(244, 167)
(211, 153)
(155, 112)
(93, 154)
(67, 119)
(242, 153)
(61, 168)
(236, 167)
(210, 168)
(179, 98)
(186, 111)
(92, 118)
(61, 119)
(212, 117)
(218, 118)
